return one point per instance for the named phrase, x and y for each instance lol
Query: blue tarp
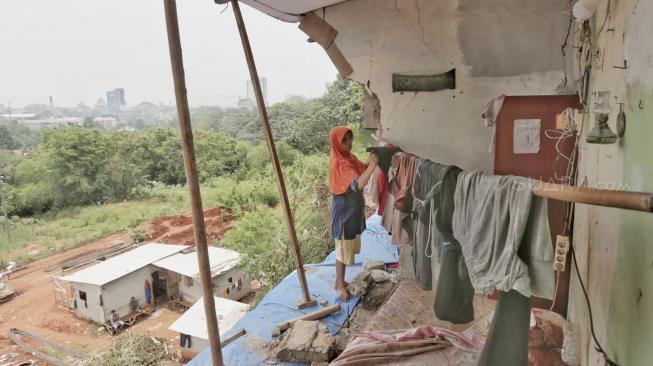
(280, 303)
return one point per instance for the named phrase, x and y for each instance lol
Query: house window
(82, 296)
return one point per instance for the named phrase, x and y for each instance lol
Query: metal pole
(186, 131)
(273, 153)
(4, 209)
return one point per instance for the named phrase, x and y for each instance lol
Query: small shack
(182, 273)
(191, 326)
(110, 285)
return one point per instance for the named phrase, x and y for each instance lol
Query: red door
(517, 152)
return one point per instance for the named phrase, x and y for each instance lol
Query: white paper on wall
(526, 136)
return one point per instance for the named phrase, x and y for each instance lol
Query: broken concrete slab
(307, 341)
(357, 288)
(378, 275)
(370, 265)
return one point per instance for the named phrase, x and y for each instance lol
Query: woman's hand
(372, 160)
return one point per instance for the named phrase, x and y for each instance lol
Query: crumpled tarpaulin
(405, 346)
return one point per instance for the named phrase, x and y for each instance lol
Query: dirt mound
(179, 229)
(181, 220)
(216, 212)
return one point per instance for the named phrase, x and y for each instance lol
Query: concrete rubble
(370, 265)
(358, 287)
(307, 341)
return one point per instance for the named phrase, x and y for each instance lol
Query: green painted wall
(630, 324)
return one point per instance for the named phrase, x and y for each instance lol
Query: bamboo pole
(186, 130)
(638, 201)
(263, 114)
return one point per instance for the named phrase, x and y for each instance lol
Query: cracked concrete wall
(379, 38)
(615, 249)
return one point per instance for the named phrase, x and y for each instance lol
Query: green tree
(77, 161)
(7, 141)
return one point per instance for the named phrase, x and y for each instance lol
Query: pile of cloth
(488, 233)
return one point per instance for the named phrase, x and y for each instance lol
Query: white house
(111, 284)
(106, 123)
(192, 324)
(228, 277)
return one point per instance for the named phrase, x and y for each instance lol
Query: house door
(522, 148)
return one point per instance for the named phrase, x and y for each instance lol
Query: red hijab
(343, 166)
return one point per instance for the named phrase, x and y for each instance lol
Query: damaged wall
(498, 47)
(614, 246)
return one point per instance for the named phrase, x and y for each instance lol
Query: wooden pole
(318, 314)
(638, 201)
(186, 130)
(263, 114)
(3, 200)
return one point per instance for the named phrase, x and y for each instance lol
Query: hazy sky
(76, 50)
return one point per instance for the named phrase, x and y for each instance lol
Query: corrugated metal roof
(123, 264)
(193, 321)
(220, 259)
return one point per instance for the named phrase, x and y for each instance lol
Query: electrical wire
(571, 175)
(598, 346)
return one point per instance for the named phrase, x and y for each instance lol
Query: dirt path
(34, 309)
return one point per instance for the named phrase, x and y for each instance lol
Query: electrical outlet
(560, 255)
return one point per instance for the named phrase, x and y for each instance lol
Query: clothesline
(638, 201)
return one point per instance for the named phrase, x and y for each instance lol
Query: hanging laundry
(393, 221)
(385, 158)
(490, 116)
(426, 184)
(400, 178)
(454, 296)
(507, 342)
(382, 190)
(504, 234)
(385, 154)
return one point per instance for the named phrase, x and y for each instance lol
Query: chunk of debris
(307, 341)
(370, 265)
(382, 276)
(358, 287)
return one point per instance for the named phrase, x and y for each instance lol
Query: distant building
(106, 123)
(100, 103)
(264, 89)
(17, 116)
(116, 98)
(245, 103)
(59, 122)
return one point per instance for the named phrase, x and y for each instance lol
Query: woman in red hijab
(347, 178)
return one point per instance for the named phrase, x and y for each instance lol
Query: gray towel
(504, 234)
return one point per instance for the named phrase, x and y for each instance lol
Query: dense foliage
(80, 166)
